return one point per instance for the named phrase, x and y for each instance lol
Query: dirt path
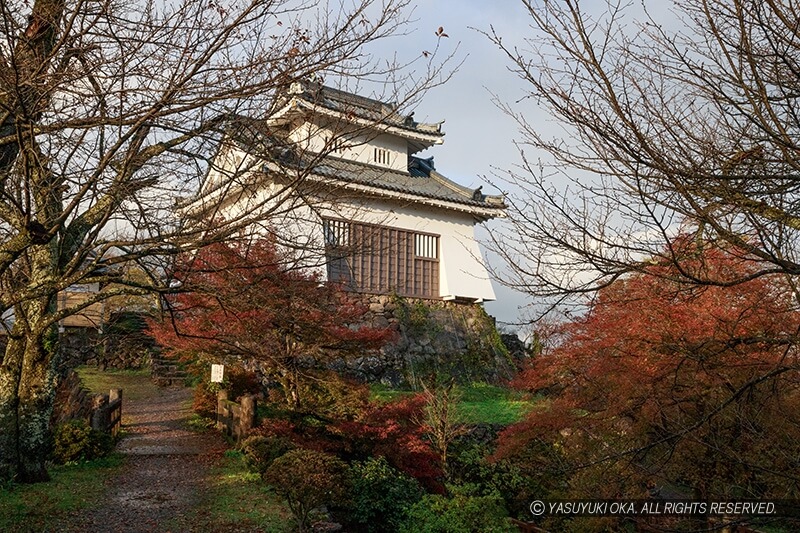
(164, 475)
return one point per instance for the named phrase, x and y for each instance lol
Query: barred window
(380, 156)
(337, 232)
(381, 259)
(426, 246)
(336, 145)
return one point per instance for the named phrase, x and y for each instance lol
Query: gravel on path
(163, 479)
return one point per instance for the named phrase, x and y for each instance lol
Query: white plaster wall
(294, 221)
(229, 163)
(359, 144)
(396, 146)
(462, 271)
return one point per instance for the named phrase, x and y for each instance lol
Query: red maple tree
(246, 302)
(661, 383)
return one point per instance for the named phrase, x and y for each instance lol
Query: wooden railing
(107, 412)
(235, 419)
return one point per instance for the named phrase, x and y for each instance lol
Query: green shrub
(462, 512)
(470, 466)
(260, 452)
(381, 496)
(308, 479)
(76, 441)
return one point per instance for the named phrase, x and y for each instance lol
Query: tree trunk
(27, 390)
(10, 373)
(36, 395)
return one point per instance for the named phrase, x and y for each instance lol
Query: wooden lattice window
(381, 259)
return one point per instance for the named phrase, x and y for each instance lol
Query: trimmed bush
(260, 452)
(462, 512)
(308, 479)
(76, 441)
(381, 496)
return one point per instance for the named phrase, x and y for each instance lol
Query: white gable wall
(228, 165)
(359, 145)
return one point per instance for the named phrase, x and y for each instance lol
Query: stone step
(161, 361)
(167, 371)
(166, 368)
(169, 382)
(173, 375)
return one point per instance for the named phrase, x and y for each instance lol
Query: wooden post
(113, 396)
(98, 412)
(248, 414)
(222, 400)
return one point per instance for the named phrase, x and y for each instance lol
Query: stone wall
(72, 402)
(123, 345)
(455, 338)
(87, 346)
(78, 346)
(126, 342)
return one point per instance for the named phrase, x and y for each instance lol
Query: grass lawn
(237, 499)
(489, 404)
(135, 384)
(480, 403)
(38, 507)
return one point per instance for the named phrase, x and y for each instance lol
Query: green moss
(50, 341)
(482, 403)
(415, 317)
(381, 393)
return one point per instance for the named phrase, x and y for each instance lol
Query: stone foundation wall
(113, 349)
(459, 339)
(86, 346)
(72, 402)
(79, 346)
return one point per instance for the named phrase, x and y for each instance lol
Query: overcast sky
(479, 138)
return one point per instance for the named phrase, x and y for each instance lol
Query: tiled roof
(361, 106)
(421, 180)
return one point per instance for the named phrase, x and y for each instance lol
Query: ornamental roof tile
(361, 106)
(421, 180)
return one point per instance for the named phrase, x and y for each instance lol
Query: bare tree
(441, 419)
(109, 112)
(689, 128)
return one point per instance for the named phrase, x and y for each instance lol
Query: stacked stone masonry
(432, 334)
